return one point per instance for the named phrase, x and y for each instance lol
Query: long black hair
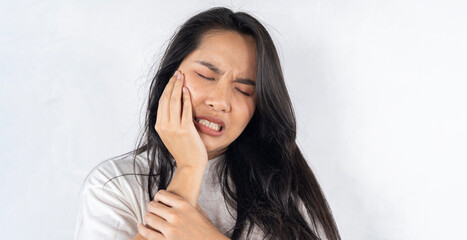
(269, 176)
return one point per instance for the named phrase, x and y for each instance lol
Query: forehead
(228, 50)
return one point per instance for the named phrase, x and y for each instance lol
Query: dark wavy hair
(264, 163)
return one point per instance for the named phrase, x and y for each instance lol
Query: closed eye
(205, 77)
(244, 93)
(212, 79)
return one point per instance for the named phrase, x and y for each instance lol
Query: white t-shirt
(114, 210)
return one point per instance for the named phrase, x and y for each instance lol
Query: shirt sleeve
(104, 212)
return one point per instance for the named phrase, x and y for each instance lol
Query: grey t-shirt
(114, 210)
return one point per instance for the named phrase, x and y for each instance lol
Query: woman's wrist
(187, 182)
(220, 236)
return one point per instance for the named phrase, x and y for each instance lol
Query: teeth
(209, 124)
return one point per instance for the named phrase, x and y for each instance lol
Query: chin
(212, 145)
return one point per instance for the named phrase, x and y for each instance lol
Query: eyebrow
(215, 69)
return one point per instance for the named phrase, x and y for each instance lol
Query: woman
(218, 158)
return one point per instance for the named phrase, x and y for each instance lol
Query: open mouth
(211, 125)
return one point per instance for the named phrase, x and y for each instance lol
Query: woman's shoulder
(118, 172)
(112, 198)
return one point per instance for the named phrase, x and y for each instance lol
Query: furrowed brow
(210, 66)
(245, 81)
(215, 69)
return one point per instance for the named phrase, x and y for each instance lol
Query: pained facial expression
(219, 74)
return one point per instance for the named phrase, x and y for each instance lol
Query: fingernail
(179, 76)
(176, 73)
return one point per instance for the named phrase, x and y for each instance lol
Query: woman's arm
(186, 183)
(184, 142)
(176, 128)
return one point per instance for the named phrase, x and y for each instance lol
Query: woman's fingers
(169, 199)
(160, 209)
(149, 233)
(155, 221)
(175, 101)
(163, 115)
(187, 112)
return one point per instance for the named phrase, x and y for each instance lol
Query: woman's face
(219, 74)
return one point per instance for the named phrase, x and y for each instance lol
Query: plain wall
(378, 88)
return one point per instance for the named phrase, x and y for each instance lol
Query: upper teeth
(209, 124)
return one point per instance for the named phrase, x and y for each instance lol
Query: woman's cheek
(191, 87)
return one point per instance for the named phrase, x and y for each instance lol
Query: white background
(378, 89)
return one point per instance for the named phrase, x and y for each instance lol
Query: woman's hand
(173, 218)
(175, 125)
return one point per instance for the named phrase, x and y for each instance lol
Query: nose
(219, 97)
